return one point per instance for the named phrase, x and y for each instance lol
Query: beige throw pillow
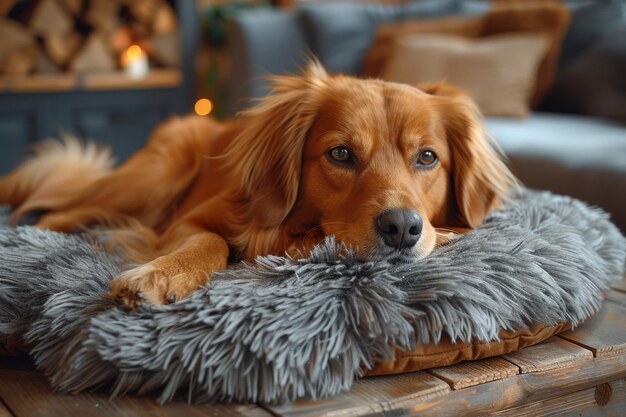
(499, 71)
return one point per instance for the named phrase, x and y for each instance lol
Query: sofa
(571, 153)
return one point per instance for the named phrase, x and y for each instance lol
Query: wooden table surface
(581, 373)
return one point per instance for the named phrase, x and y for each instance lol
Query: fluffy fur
(202, 192)
(282, 329)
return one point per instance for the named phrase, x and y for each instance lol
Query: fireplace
(107, 70)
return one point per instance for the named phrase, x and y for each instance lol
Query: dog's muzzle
(399, 228)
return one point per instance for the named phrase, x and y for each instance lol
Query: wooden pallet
(582, 373)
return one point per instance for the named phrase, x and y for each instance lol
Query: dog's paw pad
(129, 299)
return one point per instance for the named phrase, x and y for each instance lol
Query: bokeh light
(203, 106)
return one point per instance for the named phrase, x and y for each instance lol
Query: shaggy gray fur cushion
(282, 329)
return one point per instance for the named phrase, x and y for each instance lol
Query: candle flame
(134, 52)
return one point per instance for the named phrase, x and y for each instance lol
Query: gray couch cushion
(341, 32)
(580, 156)
(275, 41)
(590, 20)
(576, 141)
(594, 82)
(261, 42)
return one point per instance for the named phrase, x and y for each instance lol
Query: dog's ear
(481, 179)
(267, 154)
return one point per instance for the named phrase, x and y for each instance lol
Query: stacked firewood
(85, 36)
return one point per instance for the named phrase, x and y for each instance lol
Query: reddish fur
(201, 191)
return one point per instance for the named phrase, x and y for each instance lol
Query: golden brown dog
(384, 167)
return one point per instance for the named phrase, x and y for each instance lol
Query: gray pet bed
(282, 329)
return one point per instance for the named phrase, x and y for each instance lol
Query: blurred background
(549, 75)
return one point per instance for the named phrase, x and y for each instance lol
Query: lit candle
(135, 62)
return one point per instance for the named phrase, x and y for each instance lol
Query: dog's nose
(399, 228)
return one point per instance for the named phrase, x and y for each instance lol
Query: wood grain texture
(605, 333)
(27, 393)
(371, 396)
(582, 403)
(604, 393)
(550, 354)
(520, 389)
(470, 373)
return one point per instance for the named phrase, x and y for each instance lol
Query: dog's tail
(58, 171)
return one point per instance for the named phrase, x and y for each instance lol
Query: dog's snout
(399, 228)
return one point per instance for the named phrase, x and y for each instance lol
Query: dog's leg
(173, 276)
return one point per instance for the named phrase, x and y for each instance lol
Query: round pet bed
(282, 329)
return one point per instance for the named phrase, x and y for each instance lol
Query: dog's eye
(341, 154)
(426, 159)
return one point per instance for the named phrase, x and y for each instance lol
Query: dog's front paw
(154, 284)
(132, 287)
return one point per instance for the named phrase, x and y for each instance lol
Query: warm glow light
(134, 52)
(203, 106)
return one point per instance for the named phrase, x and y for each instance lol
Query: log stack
(84, 36)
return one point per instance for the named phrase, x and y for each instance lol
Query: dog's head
(379, 165)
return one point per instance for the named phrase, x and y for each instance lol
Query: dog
(383, 167)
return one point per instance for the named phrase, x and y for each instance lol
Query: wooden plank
(28, 394)
(370, 396)
(605, 333)
(520, 389)
(550, 354)
(156, 78)
(470, 373)
(4, 412)
(44, 82)
(582, 404)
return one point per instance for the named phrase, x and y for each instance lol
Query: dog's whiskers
(319, 227)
